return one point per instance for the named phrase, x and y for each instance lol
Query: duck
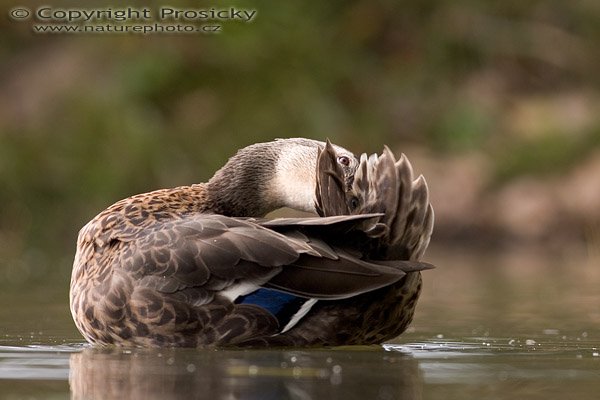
(201, 266)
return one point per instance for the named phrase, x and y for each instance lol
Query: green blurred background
(497, 103)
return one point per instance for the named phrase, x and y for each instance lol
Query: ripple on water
(540, 360)
(36, 362)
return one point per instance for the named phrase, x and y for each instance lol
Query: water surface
(495, 327)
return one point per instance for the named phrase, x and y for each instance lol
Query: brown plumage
(187, 267)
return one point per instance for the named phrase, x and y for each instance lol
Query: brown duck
(198, 266)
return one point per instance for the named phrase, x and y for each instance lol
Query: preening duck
(199, 266)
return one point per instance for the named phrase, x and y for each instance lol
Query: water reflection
(368, 373)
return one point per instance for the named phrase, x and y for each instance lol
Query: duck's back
(140, 211)
(104, 247)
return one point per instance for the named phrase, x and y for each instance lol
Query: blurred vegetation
(88, 119)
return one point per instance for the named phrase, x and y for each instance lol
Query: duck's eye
(353, 203)
(344, 160)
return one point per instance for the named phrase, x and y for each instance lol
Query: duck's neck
(266, 176)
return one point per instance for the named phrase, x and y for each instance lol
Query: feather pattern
(163, 269)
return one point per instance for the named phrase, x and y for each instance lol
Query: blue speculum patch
(282, 305)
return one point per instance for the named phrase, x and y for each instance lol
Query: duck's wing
(203, 256)
(346, 277)
(337, 224)
(191, 271)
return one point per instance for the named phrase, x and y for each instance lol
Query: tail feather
(425, 235)
(385, 185)
(405, 178)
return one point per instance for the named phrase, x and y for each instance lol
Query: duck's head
(266, 176)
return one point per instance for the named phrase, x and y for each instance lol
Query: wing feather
(208, 253)
(333, 279)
